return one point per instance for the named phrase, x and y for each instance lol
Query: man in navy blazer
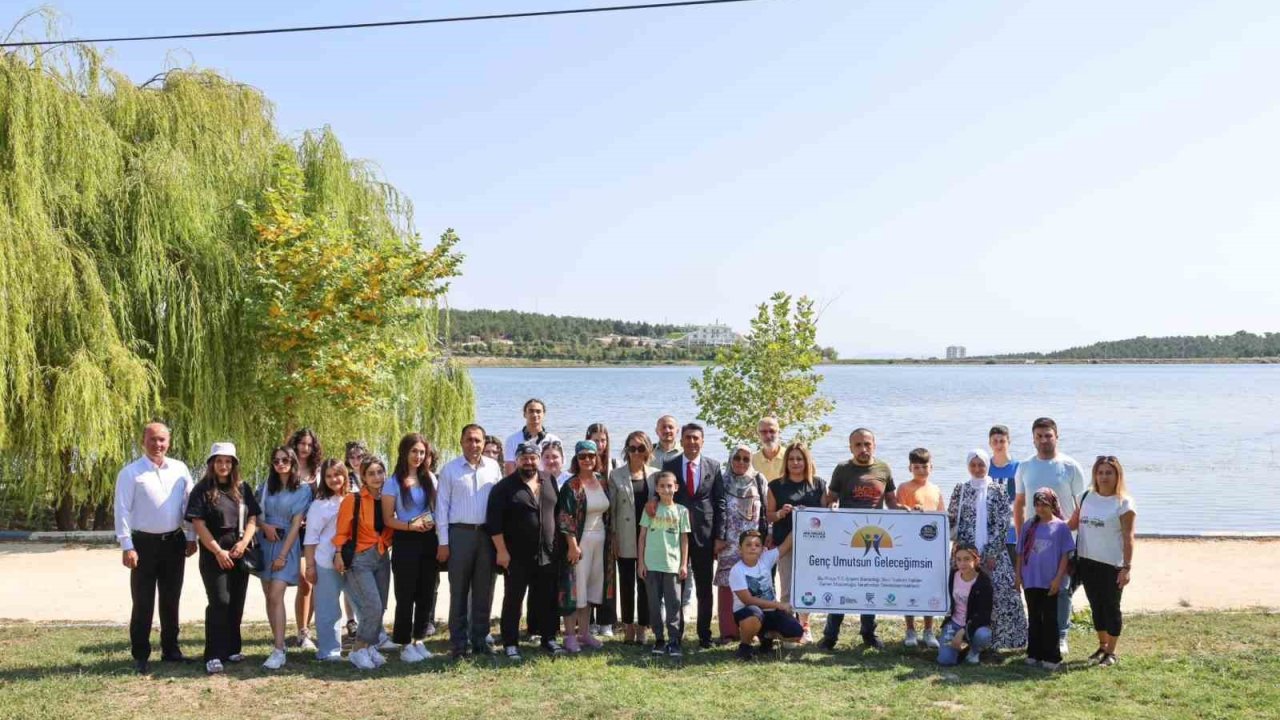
(699, 487)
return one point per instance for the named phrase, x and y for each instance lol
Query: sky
(1008, 176)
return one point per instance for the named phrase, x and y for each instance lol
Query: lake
(1198, 442)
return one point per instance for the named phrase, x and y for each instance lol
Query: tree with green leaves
(148, 270)
(769, 372)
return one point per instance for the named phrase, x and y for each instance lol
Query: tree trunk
(102, 516)
(64, 513)
(84, 522)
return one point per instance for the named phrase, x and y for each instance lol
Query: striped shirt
(464, 493)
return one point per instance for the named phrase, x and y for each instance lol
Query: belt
(161, 536)
(467, 526)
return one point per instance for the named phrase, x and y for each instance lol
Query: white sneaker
(431, 629)
(1062, 647)
(910, 640)
(930, 640)
(409, 654)
(422, 650)
(213, 667)
(384, 643)
(377, 658)
(238, 657)
(595, 629)
(360, 658)
(275, 660)
(606, 631)
(336, 657)
(806, 638)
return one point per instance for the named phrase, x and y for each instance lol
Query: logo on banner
(935, 602)
(815, 531)
(929, 532)
(808, 599)
(871, 598)
(911, 602)
(891, 599)
(871, 537)
(826, 598)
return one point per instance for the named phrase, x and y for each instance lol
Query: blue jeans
(948, 655)
(327, 598)
(832, 631)
(1064, 607)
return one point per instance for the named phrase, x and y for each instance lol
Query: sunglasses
(740, 458)
(1108, 458)
(586, 457)
(636, 448)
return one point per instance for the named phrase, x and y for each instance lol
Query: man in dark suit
(699, 488)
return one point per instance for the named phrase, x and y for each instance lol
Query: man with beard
(769, 461)
(521, 521)
(862, 482)
(667, 449)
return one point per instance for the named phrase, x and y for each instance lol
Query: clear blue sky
(1003, 175)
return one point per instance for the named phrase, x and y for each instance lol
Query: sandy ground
(56, 583)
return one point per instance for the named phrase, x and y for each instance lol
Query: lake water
(1199, 442)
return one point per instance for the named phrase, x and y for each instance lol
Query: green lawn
(1193, 665)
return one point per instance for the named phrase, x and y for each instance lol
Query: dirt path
(55, 583)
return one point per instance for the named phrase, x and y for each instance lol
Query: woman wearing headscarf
(979, 515)
(742, 505)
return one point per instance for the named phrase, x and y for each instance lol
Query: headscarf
(738, 484)
(979, 486)
(1048, 497)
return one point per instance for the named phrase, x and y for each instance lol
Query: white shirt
(1101, 537)
(756, 580)
(1062, 475)
(562, 478)
(513, 442)
(322, 525)
(463, 494)
(152, 499)
(697, 473)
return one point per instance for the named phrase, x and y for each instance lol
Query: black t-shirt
(515, 511)
(798, 494)
(862, 486)
(222, 514)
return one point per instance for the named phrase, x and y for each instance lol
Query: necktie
(689, 478)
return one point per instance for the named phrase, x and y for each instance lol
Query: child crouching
(754, 607)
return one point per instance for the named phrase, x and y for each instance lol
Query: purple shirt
(1051, 541)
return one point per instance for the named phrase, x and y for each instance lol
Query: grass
(1184, 665)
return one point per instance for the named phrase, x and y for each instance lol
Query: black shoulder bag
(349, 547)
(251, 560)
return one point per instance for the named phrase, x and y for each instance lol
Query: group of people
(575, 533)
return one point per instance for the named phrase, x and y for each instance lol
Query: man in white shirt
(534, 430)
(1049, 469)
(150, 503)
(667, 448)
(462, 502)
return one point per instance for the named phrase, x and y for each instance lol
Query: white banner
(884, 562)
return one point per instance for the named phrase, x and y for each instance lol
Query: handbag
(251, 560)
(349, 547)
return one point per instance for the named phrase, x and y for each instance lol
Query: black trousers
(525, 575)
(162, 560)
(1042, 625)
(634, 596)
(1100, 587)
(702, 561)
(414, 577)
(225, 590)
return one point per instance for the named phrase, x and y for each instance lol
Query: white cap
(222, 448)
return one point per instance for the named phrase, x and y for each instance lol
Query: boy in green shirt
(664, 564)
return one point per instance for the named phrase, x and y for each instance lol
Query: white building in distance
(709, 336)
(955, 352)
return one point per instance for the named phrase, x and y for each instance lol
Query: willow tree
(130, 285)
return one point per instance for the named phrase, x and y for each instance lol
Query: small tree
(770, 372)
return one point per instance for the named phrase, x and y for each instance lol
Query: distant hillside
(523, 327)
(1183, 347)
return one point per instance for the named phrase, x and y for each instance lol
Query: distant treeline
(523, 327)
(1239, 345)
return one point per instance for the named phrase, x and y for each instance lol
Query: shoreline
(80, 584)
(486, 361)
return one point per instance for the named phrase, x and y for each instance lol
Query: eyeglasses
(280, 461)
(767, 432)
(740, 458)
(636, 448)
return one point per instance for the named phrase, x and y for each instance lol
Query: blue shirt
(1006, 473)
(417, 500)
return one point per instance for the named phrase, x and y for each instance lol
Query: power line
(389, 23)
